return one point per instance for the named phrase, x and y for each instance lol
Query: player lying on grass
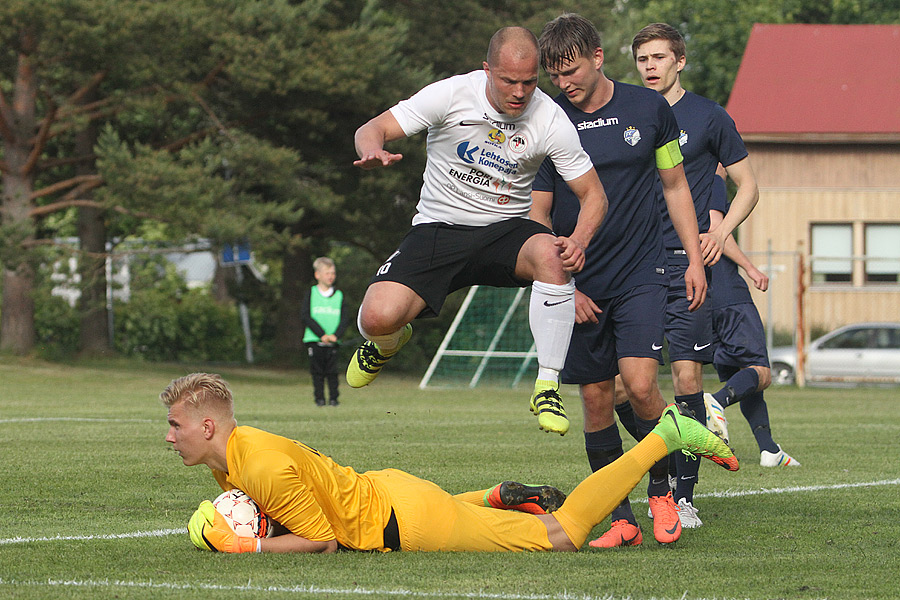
(326, 506)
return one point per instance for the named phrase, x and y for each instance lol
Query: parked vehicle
(858, 353)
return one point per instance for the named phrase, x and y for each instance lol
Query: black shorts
(435, 259)
(740, 337)
(689, 334)
(631, 325)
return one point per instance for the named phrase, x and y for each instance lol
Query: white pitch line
(320, 591)
(787, 490)
(725, 494)
(88, 419)
(107, 536)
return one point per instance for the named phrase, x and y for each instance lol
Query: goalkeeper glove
(210, 531)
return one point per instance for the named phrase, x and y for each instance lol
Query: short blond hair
(202, 392)
(323, 262)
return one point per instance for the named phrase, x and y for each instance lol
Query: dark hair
(659, 31)
(567, 37)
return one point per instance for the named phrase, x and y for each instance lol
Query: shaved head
(517, 42)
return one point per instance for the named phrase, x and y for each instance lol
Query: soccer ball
(243, 515)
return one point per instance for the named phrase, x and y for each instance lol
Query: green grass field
(94, 504)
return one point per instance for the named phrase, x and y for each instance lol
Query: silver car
(858, 353)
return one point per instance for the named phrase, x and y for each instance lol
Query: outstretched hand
(374, 160)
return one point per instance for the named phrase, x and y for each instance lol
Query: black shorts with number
(435, 259)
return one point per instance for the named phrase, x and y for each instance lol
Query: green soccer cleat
(367, 361)
(548, 406)
(681, 431)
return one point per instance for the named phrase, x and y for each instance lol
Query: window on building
(832, 251)
(882, 253)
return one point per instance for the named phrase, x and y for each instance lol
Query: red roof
(819, 81)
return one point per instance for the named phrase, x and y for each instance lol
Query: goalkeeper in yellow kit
(325, 506)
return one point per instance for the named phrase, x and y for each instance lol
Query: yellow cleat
(548, 406)
(367, 361)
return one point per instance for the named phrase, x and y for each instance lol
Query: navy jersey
(728, 287)
(621, 138)
(708, 137)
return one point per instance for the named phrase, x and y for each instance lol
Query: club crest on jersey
(496, 136)
(632, 136)
(682, 138)
(518, 143)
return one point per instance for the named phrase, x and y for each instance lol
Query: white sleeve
(427, 107)
(569, 158)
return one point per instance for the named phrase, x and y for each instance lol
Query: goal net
(488, 343)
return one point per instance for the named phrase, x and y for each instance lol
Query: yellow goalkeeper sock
(596, 497)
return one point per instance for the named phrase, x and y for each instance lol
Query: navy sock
(659, 473)
(738, 387)
(689, 468)
(755, 410)
(627, 418)
(603, 447)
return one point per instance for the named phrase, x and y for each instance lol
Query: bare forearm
(294, 543)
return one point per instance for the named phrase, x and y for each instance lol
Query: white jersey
(481, 163)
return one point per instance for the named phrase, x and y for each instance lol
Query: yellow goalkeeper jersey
(306, 491)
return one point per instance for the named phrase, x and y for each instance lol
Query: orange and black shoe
(622, 533)
(666, 524)
(534, 499)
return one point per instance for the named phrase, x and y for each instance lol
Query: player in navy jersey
(740, 358)
(631, 136)
(488, 132)
(708, 137)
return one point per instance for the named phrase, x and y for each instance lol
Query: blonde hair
(323, 262)
(201, 392)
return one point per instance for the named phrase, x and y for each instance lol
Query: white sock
(551, 315)
(387, 344)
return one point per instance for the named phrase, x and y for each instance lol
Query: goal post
(489, 341)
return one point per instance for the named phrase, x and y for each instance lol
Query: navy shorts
(740, 337)
(435, 259)
(631, 325)
(690, 334)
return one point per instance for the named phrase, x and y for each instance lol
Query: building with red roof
(818, 107)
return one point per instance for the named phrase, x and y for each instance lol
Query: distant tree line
(233, 120)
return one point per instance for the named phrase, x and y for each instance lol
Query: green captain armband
(669, 156)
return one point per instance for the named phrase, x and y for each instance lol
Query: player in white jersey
(488, 132)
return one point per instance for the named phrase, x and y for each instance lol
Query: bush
(56, 326)
(188, 327)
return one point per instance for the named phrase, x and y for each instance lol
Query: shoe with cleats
(777, 459)
(547, 405)
(715, 417)
(367, 361)
(687, 513)
(666, 524)
(534, 499)
(622, 533)
(680, 431)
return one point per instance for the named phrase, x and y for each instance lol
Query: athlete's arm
(294, 543)
(593, 209)
(744, 200)
(734, 252)
(680, 205)
(541, 204)
(371, 138)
